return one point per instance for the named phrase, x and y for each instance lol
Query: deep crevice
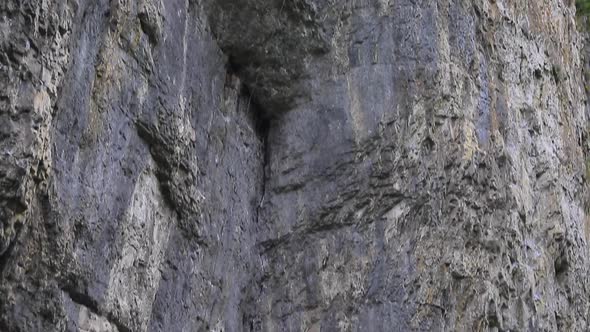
(263, 131)
(262, 120)
(88, 302)
(262, 124)
(81, 299)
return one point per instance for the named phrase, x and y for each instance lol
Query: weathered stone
(271, 165)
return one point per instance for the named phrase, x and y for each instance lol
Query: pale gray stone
(303, 165)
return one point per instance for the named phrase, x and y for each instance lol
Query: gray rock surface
(304, 165)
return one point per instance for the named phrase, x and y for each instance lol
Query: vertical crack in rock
(263, 119)
(263, 123)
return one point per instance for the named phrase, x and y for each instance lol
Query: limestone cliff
(293, 165)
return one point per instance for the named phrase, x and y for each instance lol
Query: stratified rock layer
(307, 165)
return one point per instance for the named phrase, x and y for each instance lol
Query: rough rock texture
(303, 165)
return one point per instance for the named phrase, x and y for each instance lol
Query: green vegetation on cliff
(583, 7)
(583, 11)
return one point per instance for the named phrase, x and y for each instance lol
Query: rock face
(307, 165)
